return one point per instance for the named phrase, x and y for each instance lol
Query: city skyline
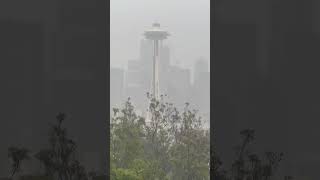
(190, 67)
(180, 84)
(190, 30)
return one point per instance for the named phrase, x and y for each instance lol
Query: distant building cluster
(175, 82)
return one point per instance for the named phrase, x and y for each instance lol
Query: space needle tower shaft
(156, 35)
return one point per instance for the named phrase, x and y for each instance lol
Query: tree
(45, 157)
(157, 147)
(126, 136)
(17, 155)
(190, 153)
(60, 159)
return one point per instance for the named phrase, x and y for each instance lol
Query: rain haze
(156, 81)
(184, 56)
(187, 21)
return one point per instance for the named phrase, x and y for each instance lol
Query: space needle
(156, 35)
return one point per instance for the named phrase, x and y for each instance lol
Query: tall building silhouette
(201, 89)
(200, 66)
(179, 85)
(174, 81)
(139, 73)
(116, 87)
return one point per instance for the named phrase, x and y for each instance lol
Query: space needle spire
(156, 35)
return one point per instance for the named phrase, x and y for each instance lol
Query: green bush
(124, 174)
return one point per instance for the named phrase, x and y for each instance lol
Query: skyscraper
(136, 85)
(201, 88)
(179, 85)
(116, 87)
(200, 66)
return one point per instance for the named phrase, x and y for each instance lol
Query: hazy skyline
(187, 21)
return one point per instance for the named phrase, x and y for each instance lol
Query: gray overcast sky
(187, 20)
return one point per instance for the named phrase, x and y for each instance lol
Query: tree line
(167, 144)
(59, 159)
(164, 144)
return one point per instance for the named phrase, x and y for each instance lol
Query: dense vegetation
(167, 145)
(249, 165)
(59, 160)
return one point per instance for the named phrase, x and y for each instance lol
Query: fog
(187, 20)
(184, 72)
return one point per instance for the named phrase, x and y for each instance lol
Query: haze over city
(187, 21)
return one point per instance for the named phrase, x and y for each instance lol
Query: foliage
(249, 165)
(17, 155)
(166, 144)
(124, 174)
(59, 159)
